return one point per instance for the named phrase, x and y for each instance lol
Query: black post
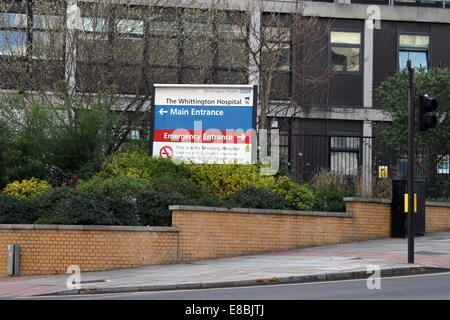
(411, 92)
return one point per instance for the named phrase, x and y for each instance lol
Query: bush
(4, 143)
(141, 166)
(330, 190)
(253, 197)
(442, 199)
(296, 196)
(153, 206)
(184, 186)
(26, 188)
(116, 187)
(16, 210)
(53, 138)
(123, 212)
(225, 179)
(71, 206)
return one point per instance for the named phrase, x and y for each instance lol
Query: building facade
(150, 42)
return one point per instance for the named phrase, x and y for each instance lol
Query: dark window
(276, 60)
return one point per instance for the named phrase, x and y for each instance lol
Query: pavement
(322, 263)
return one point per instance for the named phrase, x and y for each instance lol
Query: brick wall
(208, 232)
(50, 249)
(437, 216)
(372, 218)
(199, 233)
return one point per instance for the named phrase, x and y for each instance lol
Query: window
(414, 48)
(48, 40)
(276, 60)
(129, 40)
(12, 39)
(443, 165)
(134, 135)
(344, 155)
(345, 51)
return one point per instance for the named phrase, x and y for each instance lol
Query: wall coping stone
(373, 200)
(427, 203)
(261, 211)
(437, 204)
(87, 227)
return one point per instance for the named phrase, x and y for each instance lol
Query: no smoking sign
(166, 152)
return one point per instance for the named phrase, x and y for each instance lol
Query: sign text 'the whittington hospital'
(180, 111)
(202, 102)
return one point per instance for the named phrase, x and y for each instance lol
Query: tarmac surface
(324, 263)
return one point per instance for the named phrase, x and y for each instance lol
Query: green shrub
(5, 137)
(123, 212)
(184, 186)
(330, 190)
(115, 187)
(153, 206)
(212, 200)
(26, 188)
(225, 179)
(441, 199)
(53, 139)
(141, 166)
(331, 200)
(16, 210)
(253, 197)
(296, 196)
(71, 206)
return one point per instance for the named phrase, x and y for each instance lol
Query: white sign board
(204, 123)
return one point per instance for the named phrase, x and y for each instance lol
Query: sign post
(204, 123)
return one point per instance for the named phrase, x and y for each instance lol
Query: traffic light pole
(411, 229)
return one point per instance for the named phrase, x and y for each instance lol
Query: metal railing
(350, 156)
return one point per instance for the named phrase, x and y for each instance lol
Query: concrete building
(365, 43)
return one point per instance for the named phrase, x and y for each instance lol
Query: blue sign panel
(211, 117)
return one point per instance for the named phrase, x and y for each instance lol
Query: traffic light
(427, 117)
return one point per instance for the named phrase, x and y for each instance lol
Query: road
(422, 287)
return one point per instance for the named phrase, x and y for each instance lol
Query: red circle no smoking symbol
(166, 152)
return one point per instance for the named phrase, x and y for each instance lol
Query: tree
(111, 46)
(39, 140)
(431, 146)
(283, 51)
